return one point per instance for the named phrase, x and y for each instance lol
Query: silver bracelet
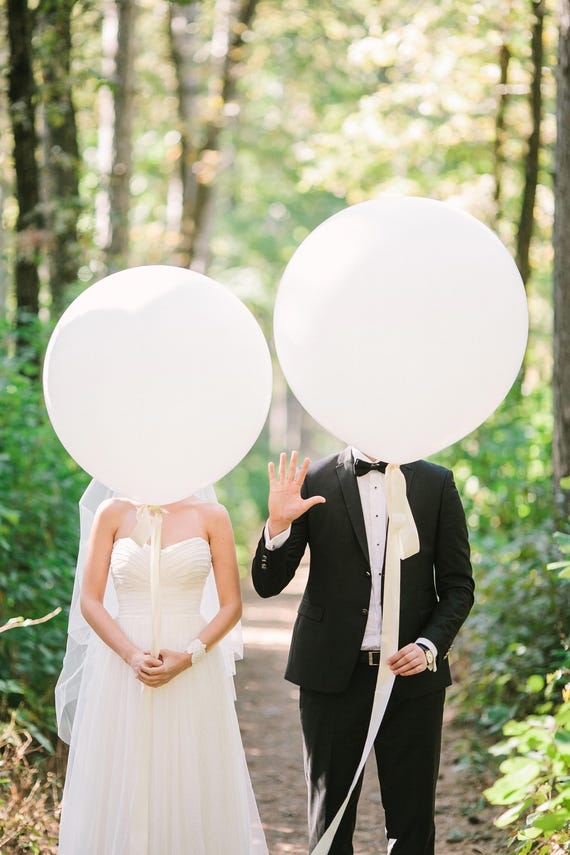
(196, 649)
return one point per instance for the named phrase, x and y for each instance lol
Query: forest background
(216, 135)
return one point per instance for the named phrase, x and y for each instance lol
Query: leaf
(562, 742)
(520, 770)
(11, 687)
(552, 821)
(535, 683)
(510, 815)
(565, 574)
(530, 833)
(515, 728)
(11, 516)
(562, 540)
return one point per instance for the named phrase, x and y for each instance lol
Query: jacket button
(368, 573)
(364, 612)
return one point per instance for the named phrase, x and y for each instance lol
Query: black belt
(369, 657)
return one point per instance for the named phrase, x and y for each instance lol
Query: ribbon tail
(155, 552)
(400, 513)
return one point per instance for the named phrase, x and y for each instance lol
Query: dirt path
(267, 709)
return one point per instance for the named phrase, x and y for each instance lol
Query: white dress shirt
(373, 501)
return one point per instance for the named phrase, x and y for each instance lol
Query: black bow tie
(361, 467)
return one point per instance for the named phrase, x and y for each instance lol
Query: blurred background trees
(217, 135)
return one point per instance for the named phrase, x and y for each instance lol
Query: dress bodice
(184, 568)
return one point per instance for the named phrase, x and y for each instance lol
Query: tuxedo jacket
(436, 589)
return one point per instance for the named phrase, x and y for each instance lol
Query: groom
(337, 507)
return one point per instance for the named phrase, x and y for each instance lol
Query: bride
(156, 763)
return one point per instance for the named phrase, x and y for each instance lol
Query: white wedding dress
(158, 771)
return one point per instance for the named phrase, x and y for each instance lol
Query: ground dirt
(268, 713)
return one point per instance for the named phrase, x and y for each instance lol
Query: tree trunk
(561, 371)
(105, 124)
(201, 155)
(122, 168)
(184, 45)
(500, 125)
(3, 266)
(61, 184)
(21, 93)
(115, 131)
(526, 222)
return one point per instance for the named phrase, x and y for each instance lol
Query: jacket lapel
(351, 498)
(408, 472)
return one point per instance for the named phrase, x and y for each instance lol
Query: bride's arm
(96, 571)
(226, 575)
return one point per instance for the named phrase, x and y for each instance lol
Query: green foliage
(562, 567)
(535, 782)
(520, 617)
(39, 490)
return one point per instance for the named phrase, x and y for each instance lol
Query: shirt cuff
(272, 543)
(431, 646)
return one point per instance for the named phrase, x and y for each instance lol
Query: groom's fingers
(292, 466)
(288, 472)
(303, 471)
(314, 500)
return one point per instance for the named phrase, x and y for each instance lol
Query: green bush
(520, 617)
(535, 784)
(535, 781)
(39, 489)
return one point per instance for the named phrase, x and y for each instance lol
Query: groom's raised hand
(285, 501)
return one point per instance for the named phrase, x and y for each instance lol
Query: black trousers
(407, 749)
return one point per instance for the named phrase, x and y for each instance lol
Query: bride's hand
(170, 664)
(144, 664)
(285, 501)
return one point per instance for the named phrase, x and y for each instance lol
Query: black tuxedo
(436, 594)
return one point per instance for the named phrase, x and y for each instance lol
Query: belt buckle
(371, 654)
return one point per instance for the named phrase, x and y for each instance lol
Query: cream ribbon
(149, 524)
(402, 542)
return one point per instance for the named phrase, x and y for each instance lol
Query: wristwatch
(430, 658)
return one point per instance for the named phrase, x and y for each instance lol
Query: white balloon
(157, 381)
(400, 325)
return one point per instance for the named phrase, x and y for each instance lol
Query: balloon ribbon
(402, 542)
(149, 524)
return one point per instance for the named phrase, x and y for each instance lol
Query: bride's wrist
(130, 657)
(196, 649)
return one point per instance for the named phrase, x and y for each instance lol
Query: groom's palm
(285, 501)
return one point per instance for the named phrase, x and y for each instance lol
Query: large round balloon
(400, 325)
(157, 381)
